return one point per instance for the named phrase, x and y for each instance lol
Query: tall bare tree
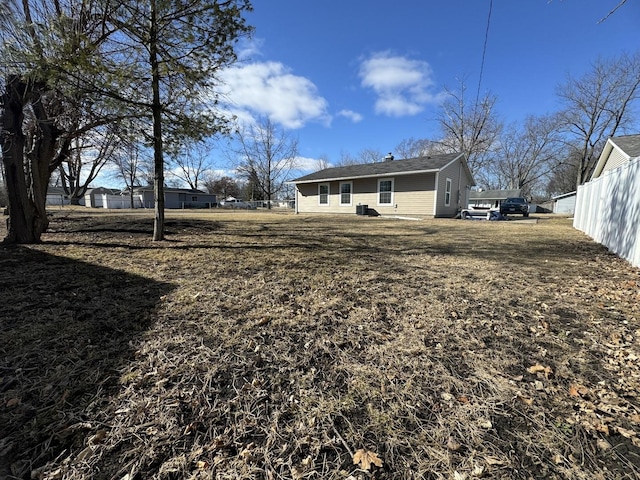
(266, 157)
(193, 164)
(130, 161)
(413, 148)
(527, 155)
(370, 155)
(322, 162)
(597, 106)
(87, 156)
(469, 126)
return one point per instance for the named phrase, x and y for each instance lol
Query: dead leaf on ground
(523, 399)
(537, 368)
(366, 458)
(577, 390)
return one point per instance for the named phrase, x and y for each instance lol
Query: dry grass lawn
(255, 345)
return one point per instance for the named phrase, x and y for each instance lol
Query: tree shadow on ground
(68, 328)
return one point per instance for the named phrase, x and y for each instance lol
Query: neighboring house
(176, 198)
(490, 198)
(617, 151)
(565, 203)
(93, 196)
(429, 186)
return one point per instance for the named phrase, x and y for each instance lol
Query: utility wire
(484, 50)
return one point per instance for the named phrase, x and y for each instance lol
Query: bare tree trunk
(28, 159)
(27, 215)
(158, 161)
(21, 211)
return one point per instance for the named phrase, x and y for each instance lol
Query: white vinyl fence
(608, 210)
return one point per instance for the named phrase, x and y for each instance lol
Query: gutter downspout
(435, 194)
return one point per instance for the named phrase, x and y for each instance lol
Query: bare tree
(88, 154)
(597, 106)
(193, 164)
(266, 157)
(347, 159)
(370, 155)
(322, 162)
(413, 148)
(469, 127)
(563, 178)
(130, 162)
(525, 156)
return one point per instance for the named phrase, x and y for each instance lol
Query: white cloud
(355, 117)
(307, 164)
(270, 89)
(403, 86)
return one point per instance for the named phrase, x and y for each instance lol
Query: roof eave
(377, 175)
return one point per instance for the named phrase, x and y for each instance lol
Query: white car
(235, 203)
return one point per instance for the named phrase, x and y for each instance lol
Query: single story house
(617, 151)
(428, 186)
(490, 198)
(565, 203)
(176, 197)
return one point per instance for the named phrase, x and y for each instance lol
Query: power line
(484, 50)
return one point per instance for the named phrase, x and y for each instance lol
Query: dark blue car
(515, 206)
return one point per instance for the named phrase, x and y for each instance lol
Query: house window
(345, 193)
(447, 193)
(194, 199)
(323, 194)
(385, 191)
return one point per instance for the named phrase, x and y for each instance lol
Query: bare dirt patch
(256, 345)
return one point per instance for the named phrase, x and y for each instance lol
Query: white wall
(565, 204)
(120, 201)
(608, 210)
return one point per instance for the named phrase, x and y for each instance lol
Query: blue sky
(343, 76)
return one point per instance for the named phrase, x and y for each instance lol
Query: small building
(565, 203)
(617, 151)
(429, 186)
(176, 198)
(57, 196)
(490, 198)
(93, 196)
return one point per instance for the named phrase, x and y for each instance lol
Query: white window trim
(447, 192)
(350, 194)
(328, 185)
(392, 192)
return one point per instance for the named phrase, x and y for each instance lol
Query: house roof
(629, 145)
(564, 195)
(493, 194)
(427, 164)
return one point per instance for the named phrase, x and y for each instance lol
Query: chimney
(388, 157)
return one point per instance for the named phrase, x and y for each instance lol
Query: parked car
(235, 203)
(516, 205)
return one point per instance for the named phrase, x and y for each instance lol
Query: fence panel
(608, 210)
